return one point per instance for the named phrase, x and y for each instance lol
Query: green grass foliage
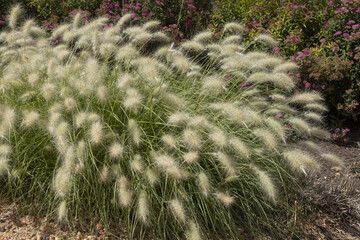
(120, 125)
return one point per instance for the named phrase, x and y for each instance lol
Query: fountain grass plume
(142, 130)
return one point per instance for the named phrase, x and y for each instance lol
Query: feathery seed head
(306, 98)
(151, 25)
(169, 141)
(48, 91)
(192, 47)
(193, 233)
(316, 107)
(93, 117)
(104, 174)
(218, 137)
(300, 160)
(96, 133)
(266, 183)
(81, 151)
(80, 119)
(136, 164)
(333, 159)
(30, 118)
(239, 147)
(178, 118)
(266, 137)
(283, 81)
(69, 159)
(77, 20)
(313, 116)
(62, 183)
(174, 100)
(225, 198)
(102, 93)
(229, 165)
(5, 150)
(107, 49)
(135, 132)
(285, 68)
(70, 103)
(300, 124)
(169, 165)
(126, 18)
(27, 26)
(124, 193)
(178, 210)
(116, 151)
(124, 81)
(278, 97)
(151, 176)
(127, 53)
(14, 16)
(62, 211)
(198, 122)
(276, 127)
(233, 39)
(213, 85)
(233, 28)
(267, 39)
(192, 139)
(4, 166)
(143, 207)
(311, 145)
(33, 78)
(132, 100)
(203, 37)
(320, 133)
(191, 157)
(204, 184)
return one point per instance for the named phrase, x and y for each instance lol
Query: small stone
(99, 226)
(337, 174)
(79, 236)
(336, 168)
(39, 236)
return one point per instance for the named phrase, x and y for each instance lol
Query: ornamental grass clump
(119, 125)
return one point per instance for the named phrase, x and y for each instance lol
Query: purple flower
(357, 10)
(228, 76)
(306, 51)
(279, 115)
(276, 49)
(322, 40)
(346, 35)
(295, 7)
(350, 22)
(349, 91)
(1, 22)
(330, 3)
(347, 130)
(337, 33)
(307, 85)
(337, 130)
(356, 26)
(164, 28)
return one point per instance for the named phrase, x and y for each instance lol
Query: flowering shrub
(118, 124)
(180, 18)
(322, 37)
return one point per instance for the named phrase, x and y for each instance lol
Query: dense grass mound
(118, 124)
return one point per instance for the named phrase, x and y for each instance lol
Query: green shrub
(118, 125)
(321, 36)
